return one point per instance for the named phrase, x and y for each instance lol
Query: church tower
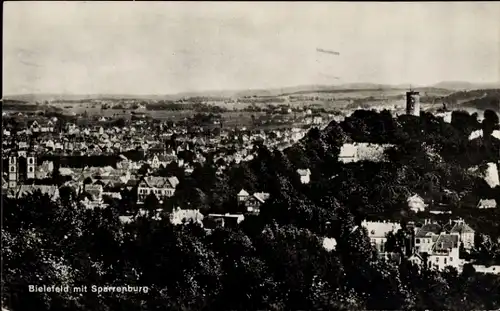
(30, 166)
(13, 171)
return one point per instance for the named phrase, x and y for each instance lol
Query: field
(329, 99)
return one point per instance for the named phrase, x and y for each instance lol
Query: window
(30, 169)
(437, 259)
(418, 241)
(31, 161)
(445, 261)
(12, 169)
(451, 259)
(12, 160)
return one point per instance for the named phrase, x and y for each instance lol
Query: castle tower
(413, 103)
(30, 166)
(13, 171)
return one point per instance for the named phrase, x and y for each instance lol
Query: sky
(169, 47)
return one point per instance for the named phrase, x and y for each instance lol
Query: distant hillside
(303, 89)
(13, 102)
(461, 86)
(74, 97)
(477, 99)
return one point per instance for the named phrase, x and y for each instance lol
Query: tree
(145, 168)
(151, 204)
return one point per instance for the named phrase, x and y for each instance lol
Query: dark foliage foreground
(274, 261)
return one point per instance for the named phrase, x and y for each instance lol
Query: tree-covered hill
(482, 99)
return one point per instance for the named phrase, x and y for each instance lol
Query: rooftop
(446, 242)
(428, 228)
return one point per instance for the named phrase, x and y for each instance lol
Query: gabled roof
(445, 242)
(303, 172)
(65, 171)
(261, 196)
(462, 228)
(428, 228)
(93, 194)
(348, 150)
(416, 255)
(415, 197)
(132, 182)
(243, 193)
(161, 182)
(487, 202)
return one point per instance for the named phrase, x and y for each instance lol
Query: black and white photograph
(223, 156)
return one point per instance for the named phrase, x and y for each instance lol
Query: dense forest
(274, 261)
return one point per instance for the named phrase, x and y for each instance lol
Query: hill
(442, 88)
(461, 85)
(480, 99)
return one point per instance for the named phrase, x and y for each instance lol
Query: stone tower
(413, 103)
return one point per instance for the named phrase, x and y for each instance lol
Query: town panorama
(329, 195)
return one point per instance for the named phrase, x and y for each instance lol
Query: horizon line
(389, 85)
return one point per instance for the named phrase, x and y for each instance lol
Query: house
(487, 269)
(159, 159)
(227, 220)
(125, 219)
(426, 236)
(416, 203)
(445, 252)
(254, 202)
(304, 175)
(48, 126)
(487, 203)
(377, 232)
(181, 216)
(50, 145)
(348, 153)
(162, 187)
(92, 199)
(440, 209)
(492, 175)
(317, 120)
(464, 231)
(416, 259)
(242, 196)
(95, 190)
(35, 127)
(112, 190)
